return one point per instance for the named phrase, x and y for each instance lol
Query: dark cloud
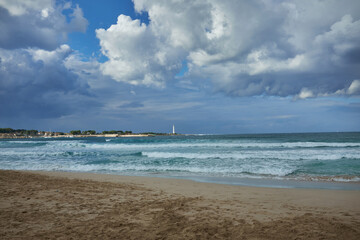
(18, 32)
(37, 84)
(34, 79)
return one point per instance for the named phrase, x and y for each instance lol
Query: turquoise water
(308, 156)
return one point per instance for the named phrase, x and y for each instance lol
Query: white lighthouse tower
(173, 129)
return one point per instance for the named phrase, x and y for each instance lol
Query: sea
(299, 160)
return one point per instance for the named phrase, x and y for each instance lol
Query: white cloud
(50, 57)
(135, 54)
(243, 47)
(305, 93)
(45, 12)
(20, 7)
(39, 23)
(354, 87)
(78, 22)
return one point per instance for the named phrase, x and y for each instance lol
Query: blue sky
(207, 66)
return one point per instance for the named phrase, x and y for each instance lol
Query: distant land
(24, 133)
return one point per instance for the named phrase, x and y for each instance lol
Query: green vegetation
(112, 132)
(6, 130)
(89, 132)
(117, 132)
(22, 132)
(154, 133)
(75, 132)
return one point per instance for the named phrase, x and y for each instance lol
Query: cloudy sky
(207, 66)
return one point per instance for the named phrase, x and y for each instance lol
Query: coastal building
(47, 133)
(173, 129)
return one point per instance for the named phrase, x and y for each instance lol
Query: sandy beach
(61, 205)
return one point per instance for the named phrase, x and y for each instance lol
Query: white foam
(222, 144)
(143, 168)
(267, 155)
(348, 179)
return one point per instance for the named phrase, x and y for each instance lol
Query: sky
(206, 66)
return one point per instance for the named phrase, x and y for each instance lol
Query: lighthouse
(173, 129)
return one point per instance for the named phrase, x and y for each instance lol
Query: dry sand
(53, 205)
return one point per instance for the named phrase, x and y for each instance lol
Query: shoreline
(288, 183)
(84, 206)
(262, 182)
(320, 182)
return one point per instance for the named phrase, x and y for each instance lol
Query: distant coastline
(9, 133)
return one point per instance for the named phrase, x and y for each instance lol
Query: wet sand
(59, 205)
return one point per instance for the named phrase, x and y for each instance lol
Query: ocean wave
(313, 178)
(265, 155)
(110, 144)
(200, 156)
(240, 145)
(114, 166)
(22, 145)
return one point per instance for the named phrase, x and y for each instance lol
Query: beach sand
(59, 205)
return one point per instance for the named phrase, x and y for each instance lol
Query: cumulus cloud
(354, 88)
(245, 48)
(17, 7)
(305, 93)
(136, 55)
(40, 23)
(37, 83)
